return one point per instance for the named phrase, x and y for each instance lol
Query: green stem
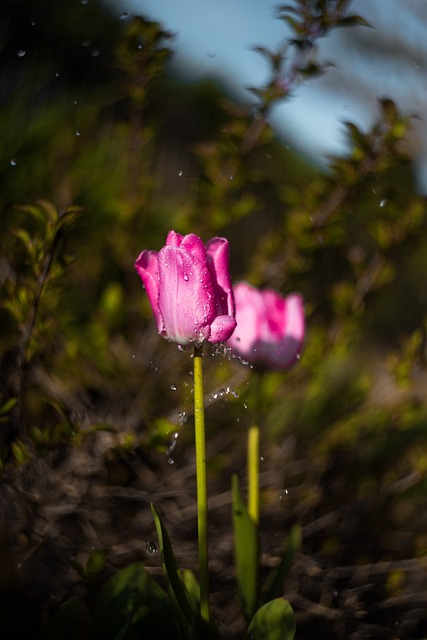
(202, 500)
(253, 473)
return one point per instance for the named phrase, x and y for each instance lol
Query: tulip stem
(202, 501)
(253, 473)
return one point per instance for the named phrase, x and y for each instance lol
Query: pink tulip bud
(270, 328)
(189, 288)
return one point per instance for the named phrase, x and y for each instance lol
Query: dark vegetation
(103, 152)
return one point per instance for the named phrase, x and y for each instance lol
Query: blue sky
(216, 37)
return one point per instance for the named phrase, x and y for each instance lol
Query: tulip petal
(222, 328)
(189, 288)
(174, 239)
(147, 266)
(186, 298)
(249, 314)
(294, 321)
(270, 328)
(217, 251)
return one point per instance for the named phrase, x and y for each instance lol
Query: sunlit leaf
(246, 551)
(275, 620)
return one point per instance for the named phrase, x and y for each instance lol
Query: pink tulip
(270, 328)
(189, 289)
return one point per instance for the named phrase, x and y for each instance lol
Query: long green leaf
(185, 601)
(184, 607)
(275, 620)
(273, 587)
(246, 551)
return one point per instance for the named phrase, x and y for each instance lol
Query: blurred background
(121, 121)
(386, 60)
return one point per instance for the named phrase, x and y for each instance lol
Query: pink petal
(222, 328)
(295, 325)
(147, 267)
(286, 327)
(174, 239)
(249, 314)
(270, 328)
(218, 253)
(186, 297)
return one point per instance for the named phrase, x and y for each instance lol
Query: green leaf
(132, 603)
(353, 21)
(273, 587)
(71, 621)
(186, 613)
(192, 586)
(8, 405)
(96, 563)
(24, 236)
(102, 426)
(246, 551)
(273, 621)
(20, 452)
(184, 601)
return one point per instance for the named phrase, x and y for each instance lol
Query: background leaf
(246, 551)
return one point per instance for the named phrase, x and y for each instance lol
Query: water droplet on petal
(186, 278)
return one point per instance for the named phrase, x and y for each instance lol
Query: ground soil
(342, 584)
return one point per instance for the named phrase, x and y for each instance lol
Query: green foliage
(185, 601)
(275, 620)
(133, 604)
(310, 20)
